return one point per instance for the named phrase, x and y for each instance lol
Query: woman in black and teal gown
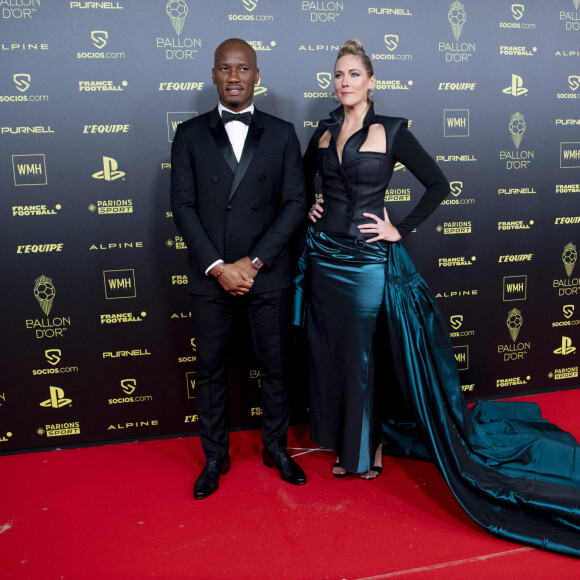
(361, 301)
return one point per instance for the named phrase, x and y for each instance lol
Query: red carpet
(126, 512)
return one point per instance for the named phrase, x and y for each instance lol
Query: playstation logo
(566, 347)
(516, 88)
(259, 89)
(57, 399)
(109, 172)
(391, 41)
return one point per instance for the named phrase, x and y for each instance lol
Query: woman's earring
(334, 97)
(371, 93)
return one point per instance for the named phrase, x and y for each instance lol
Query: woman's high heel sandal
(339, 466)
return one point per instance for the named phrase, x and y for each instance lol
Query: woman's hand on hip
(316, 210)
(383, 228)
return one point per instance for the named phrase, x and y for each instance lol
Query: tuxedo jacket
(228, 210)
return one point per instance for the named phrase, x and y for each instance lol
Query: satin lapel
(222, 140)
(250, 146)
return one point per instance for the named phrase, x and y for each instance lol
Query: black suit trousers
(212, 325)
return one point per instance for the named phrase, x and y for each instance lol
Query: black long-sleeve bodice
(358, 184)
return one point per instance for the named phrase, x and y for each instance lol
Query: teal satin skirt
(513, 472)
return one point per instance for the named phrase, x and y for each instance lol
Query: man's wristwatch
(256, 263)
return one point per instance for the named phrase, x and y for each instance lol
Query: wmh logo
(29, 169)
(456, 123)
(119, 284)
(174, 119)
(515, 288)
(461, 357)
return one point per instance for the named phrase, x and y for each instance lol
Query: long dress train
(514, 473)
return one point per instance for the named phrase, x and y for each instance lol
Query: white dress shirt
(236, 130)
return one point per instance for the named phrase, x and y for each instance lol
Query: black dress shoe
(208, 480)
(289, 470)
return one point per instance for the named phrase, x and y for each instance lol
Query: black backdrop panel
(95, 308)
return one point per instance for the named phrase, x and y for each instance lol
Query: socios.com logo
(128, 386)
(574, 82)
(249, 5)
(456, 187)
(53, 356)
(456, 321)
(22, 82)
(323, 79)
(391, 41)
(99, 38)
(518, 11)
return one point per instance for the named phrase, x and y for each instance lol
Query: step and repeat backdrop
(96, 340)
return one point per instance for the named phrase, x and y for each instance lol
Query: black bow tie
(242, 117)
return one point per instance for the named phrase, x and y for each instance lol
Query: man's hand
(234, 279)
(245, 264)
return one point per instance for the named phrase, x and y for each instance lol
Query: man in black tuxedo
(237, 195)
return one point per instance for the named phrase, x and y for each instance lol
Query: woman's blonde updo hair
(354, 47)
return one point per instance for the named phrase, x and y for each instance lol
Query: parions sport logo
(112, 206)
